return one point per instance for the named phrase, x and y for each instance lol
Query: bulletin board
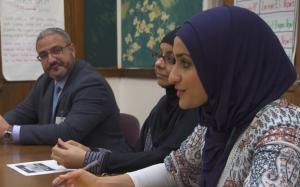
(142, 24)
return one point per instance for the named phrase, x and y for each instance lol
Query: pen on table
(87, 167)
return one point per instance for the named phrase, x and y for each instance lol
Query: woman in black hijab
(163, 131)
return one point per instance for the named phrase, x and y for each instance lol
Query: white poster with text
(21, 22)
(281, 16)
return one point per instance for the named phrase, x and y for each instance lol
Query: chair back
(130, 127)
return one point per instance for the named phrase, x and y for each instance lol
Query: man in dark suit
(85, 111)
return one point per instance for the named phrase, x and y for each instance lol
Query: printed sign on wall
(21, 22)
(281, 16)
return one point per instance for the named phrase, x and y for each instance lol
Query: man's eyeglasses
(55, 51)
(168, 58)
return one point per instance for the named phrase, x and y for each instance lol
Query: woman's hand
(69, 154)
(83, 147)
(82, 178)
(77, 178)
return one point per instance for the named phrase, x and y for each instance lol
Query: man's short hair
(54, 30)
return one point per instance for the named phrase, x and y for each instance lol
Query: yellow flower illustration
(136, 21)
(145, 3)
(138, 5)
(150, 26)
(128, 38)
(171, 26)
(155, 13)
(137, 33)
(164, 16)
(151, 42)
(130, 58)
(168, 3)
(131, 11)
(143, 26)
(135, 47)
(160, 32)
(149, 21)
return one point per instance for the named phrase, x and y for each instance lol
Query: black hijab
(243, 67)
(169, 37)
(169, 110)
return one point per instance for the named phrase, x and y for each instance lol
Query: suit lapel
(46, 103)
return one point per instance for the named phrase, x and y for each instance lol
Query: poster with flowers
(145, 22)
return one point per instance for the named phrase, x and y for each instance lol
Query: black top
(163, 131)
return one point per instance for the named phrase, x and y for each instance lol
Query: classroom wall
(136, 96)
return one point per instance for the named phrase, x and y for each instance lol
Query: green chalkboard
(100, 32)
(145, 22)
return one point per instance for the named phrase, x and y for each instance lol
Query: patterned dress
(266, 154)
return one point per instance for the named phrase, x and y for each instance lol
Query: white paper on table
(38, 167)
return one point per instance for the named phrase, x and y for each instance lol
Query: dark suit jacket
(87, 103)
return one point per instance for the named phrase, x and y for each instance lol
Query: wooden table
(21, 153)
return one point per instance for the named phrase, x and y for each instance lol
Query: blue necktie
(56, 93)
